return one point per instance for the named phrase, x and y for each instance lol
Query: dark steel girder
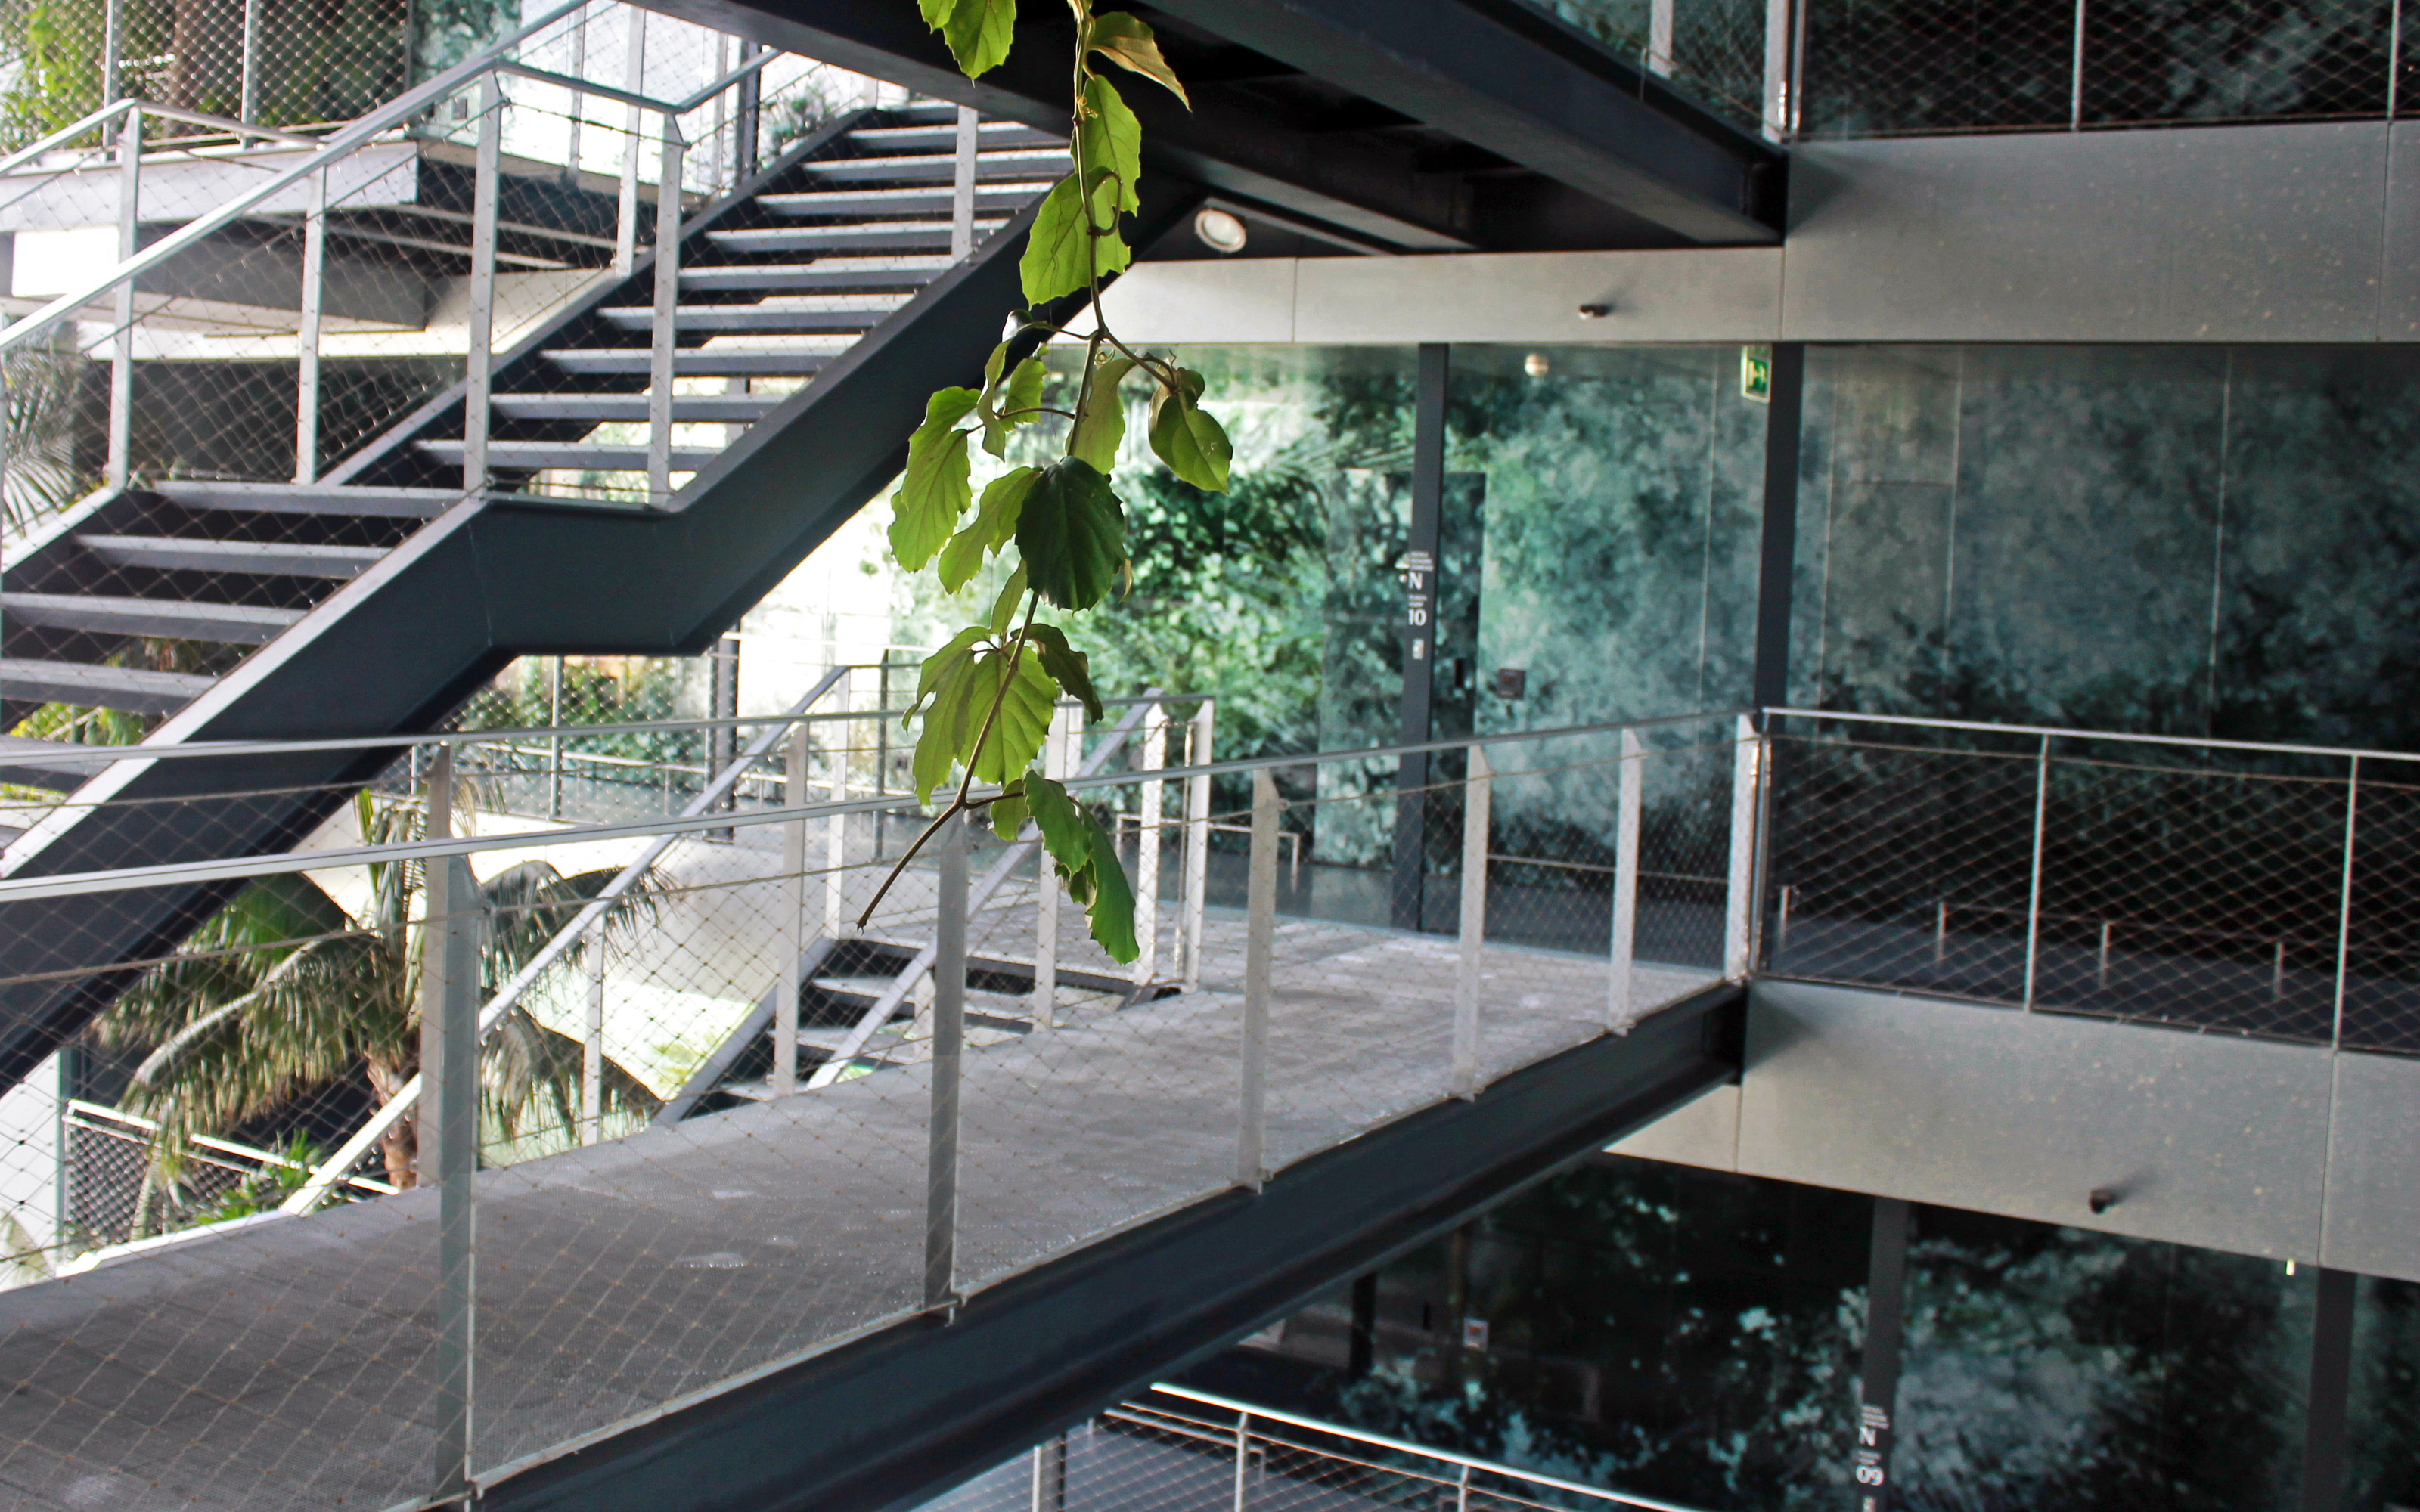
(895, 1419)
(1610, 159)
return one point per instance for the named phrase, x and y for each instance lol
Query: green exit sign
(1756, 374)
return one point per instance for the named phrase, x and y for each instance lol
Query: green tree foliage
(986, 695)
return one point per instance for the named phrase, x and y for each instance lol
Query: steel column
(481, 368)
(2325, 1414)
(2034, 889)
(1878, 1381)
(1420, 569)
(449, 1125)
(1476, 789)
(1260, 943)
(1776, 553)
(1738, 902)
(949, 1051)
(307, 330)
(1149, 799)
(634, 77)
(2343, 904)
(836, 832)
(794, 867)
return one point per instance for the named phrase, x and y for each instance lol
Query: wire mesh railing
(1172, 1448)
(709, 1107)
(2266, 890)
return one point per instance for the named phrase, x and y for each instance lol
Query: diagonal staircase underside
(380, 598)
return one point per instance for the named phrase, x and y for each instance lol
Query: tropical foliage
(987, 694)
(283, 995)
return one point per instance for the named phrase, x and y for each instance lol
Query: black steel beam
(1558, 111)
(1615, 159)
(896, 1419)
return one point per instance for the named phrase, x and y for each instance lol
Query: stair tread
(704, 408)
(809, 276)
(697, 361)
(771, 319)
(904, 236)
(308, 498)
(612, 456)
(843, 201)
(267, 558)
(916, 168)
(944, 137)
(148, 616)
(137, 690)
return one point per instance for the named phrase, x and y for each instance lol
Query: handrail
(332, 1171)
(663, 107)
(175, 113)
(1381, 1440)
(73, 885)
(2065, 732)
(339, 144)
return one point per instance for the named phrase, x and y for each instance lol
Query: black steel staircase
(825, 297)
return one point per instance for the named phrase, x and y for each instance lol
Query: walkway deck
(285, 1364)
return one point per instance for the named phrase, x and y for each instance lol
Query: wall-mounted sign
(1419, 598)
(1756, 374)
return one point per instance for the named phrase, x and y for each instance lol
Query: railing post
(793, 868)
(2394, 58)
(962, 184)
(949, 1047)
(1659, 38)
(1620, 1010)
(1260, 943)
(1243, 1456)
(248, 92)
(1050, 1475)
(836, 827)
(592, 1048)
(2034, 889)
(1057, 762)
(1461, 1490)
(1475, 790)
(481, 369)
(448, 1122)
(121, 360)
(1778, 104)
(748, 124)
(2076, 76)
(554, 741)
(2344, 906)
(660, 350)
(1197, 844)
(634, 77)
(111, 49)
(579, 111)
(1739, 904)
(1150, 798)
(306, 331)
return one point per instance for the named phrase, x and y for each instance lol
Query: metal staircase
(815, 305)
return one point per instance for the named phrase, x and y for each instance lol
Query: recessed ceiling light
(1219, 231)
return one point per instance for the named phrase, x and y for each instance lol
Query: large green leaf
(1100, 425)
(1003, 501)
(939, 484)
(1072, 533)
(1065, 251)
(1184, 435)
(1109, 137)
(1086, 859)
(1068, 667)
(963, 679)
(1124, 40)
(978, 31)
(1003, 609)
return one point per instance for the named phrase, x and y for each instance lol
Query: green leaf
(1086, 859)
(1003, 609)
(1068, 667)
(1003, 501)
(1185, 438)
(978, 31)
(963, 680)
(1124, 40)
(1100, 425)
(1015, 406)
(1008, 811)
(937, 488)
(1111, 138)
(1064, 252)
(1072, 534)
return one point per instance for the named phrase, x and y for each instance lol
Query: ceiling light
(1536, 365)
(1219, 231)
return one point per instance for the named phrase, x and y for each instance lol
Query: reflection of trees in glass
(2383, 1457)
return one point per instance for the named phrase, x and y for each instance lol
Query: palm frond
(526, 1067)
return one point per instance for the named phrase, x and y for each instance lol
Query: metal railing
(2261, 888)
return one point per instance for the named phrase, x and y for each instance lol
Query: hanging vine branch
(987, 696)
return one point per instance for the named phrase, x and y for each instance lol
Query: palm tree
(283, 995)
